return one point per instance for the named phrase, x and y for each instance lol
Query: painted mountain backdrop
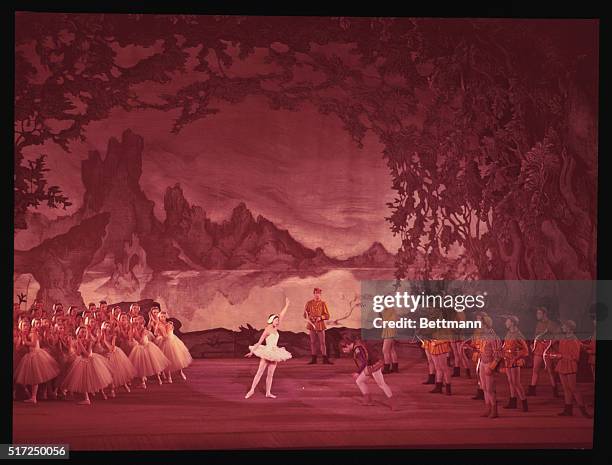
(115, 248)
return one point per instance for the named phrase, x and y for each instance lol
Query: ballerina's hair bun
(271, 318)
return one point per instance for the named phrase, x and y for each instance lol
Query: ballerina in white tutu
(90, 372)
(270, 354)
(37, 366)
(121, 368)
(173, 348)
(147, 358)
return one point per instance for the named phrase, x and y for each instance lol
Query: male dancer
(368, 365)
(315, 314)
(490, 356)
(515, 351)
(546, 331)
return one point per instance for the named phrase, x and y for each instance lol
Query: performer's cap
(271, 318)
(513, 318)
(317, 290)
(487, 320)
(570, 324)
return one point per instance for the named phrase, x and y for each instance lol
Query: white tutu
(88, 374)
(148, 359)
(270, 351)
(175, 350)
(121, 368)
(36, 367)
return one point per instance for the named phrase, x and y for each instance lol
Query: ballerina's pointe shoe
(183, 376)
(113, 394)
(249, 394)
(84, 402)
(30, 401)
(270, 395)
(127, 388)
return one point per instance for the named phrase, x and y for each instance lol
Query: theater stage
(317, 407)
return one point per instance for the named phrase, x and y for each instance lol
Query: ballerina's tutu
(121, 368)
(36, 367)
(270, 351)
(175, 351)
(88, 374)
(148, 359)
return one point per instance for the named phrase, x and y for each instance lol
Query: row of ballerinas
(93, 360)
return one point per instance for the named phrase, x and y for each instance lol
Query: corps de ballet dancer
(270, 354)
(121, 368)
(124, 333)
(147, 358)
(89, 372)
(37, 366)
(172, 347)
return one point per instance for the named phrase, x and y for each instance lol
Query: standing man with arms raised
(315, 313)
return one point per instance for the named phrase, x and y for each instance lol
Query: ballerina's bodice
(272, 339)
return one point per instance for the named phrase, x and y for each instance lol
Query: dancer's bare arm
(283, 311)
(264, 335)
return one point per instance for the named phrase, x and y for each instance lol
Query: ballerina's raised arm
(283, 311)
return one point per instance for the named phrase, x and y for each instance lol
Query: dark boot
(479, 395)
(313, 360)
(367, 400)
(555, 390)
(431, 379)
(437, 389)
(511, 403)
(392, 403)
(448, 389)
(468, 373)
(531, 390)
(584, 412)
(395, 368)
(386, 369)
(326, 360)
(456, 372)
(525, 406)
(568, 411)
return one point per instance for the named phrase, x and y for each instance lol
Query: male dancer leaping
(369, 365)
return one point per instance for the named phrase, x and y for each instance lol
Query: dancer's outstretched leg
(258, 375)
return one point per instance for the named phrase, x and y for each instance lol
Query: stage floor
(317, 407)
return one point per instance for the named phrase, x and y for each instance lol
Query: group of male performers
(555, 349)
